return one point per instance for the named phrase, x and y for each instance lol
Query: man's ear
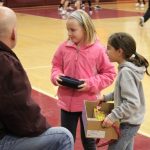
(13, 38)
(13, 34)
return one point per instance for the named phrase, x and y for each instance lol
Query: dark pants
(139, 1)
(69, 120)
(147, 13)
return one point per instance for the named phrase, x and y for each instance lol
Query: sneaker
(63, 12)
(137, 4)
(97, 7)
(70, 8)
(60, 8)
(141, 23)
(83, 6)
(142, 5)
(65, 16)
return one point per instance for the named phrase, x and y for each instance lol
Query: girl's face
(114, 55)
(75, 31)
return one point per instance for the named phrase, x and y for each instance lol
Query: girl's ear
(120, 51)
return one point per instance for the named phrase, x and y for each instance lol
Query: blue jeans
(55, 138)
(126, 140)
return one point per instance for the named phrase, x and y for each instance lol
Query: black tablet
(70, 82)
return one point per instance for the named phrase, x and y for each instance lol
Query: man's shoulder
(6, 57)
(8, 62)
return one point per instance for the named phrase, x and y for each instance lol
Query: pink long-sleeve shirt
(89, 63)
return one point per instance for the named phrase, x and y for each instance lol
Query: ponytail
(139, 61)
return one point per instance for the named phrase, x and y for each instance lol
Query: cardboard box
(92, 126)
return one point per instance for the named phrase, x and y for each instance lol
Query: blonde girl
(83, 57)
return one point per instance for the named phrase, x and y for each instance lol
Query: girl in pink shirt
(81, 57)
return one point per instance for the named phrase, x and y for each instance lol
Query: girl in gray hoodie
(128, 93)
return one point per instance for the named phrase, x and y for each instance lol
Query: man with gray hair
(22, 126)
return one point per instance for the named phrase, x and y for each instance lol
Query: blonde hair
(86, 22)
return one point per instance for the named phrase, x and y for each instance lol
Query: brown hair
(128, 45)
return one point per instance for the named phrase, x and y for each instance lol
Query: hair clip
(133, 55)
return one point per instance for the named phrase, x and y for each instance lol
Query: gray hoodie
(128, 95)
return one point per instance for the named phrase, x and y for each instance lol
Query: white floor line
(45, 93)
(144, 134)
